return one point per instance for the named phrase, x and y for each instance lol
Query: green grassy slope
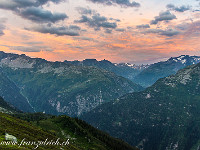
(77, 134)
(81, 134)
(24, 130)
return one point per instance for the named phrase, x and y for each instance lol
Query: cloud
(33, 43)
(35, 48)
(182, 26)
(74, 27)
(109, 31)
(167, 32)
(40, 15)
(59, 31)
(182, 8)
(163, 16)
(94, 20)
(84, 38)
(120, 29)
(2, 26)
(117, 20)
(85, 11)
(32, 10)
(17, 4)
(190, 29)
(97, 22)
(122, 3)
(143, 26)
(31, 48)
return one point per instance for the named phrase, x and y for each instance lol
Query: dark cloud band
(32, 10)
(168, 32)
(95, 20)
(143, 26)
(163, 16)
(59, 31)
(182, 8)
(123, 3)
(34, 48)
(40, 15)
(2, 26)
(16, 4)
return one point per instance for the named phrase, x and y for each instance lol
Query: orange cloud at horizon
(129, 46)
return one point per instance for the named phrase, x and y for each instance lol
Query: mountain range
(37, 85)
(144, 75)
(165, 116)
(162, 69)
(125, 70)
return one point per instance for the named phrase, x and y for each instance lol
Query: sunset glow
(141, 32)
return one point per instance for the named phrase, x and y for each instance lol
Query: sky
(133, 31)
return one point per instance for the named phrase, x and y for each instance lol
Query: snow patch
(148, 96)
(183, 61)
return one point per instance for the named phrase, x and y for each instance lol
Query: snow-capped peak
(186, 58)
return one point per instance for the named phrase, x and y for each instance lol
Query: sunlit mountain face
(131, 31)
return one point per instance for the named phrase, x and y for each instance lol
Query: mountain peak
(185, 57)
(105, 61)
(165, 68)
(90, 60)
